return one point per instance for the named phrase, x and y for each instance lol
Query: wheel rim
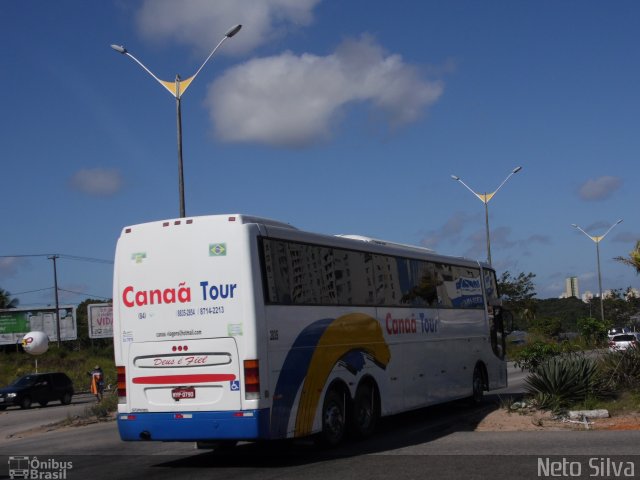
(334, 421)
(364, 410)
(364, 416)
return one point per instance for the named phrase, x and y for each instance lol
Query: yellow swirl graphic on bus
(349, 339)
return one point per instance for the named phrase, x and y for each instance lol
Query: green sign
(14, 322)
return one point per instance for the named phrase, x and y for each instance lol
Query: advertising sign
(15, 323)
(100, 320)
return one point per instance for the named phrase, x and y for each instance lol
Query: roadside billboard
(100, 319)
(16, 322)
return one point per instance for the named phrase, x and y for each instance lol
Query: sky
(338, 117)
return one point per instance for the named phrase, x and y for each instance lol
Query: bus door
(495, 317)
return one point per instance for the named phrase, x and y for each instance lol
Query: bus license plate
(182, 392)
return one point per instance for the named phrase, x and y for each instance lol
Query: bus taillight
(122, 384)
(251, 380)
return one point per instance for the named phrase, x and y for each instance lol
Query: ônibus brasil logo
(35, 468)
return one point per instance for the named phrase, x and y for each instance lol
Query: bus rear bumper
(194, 426)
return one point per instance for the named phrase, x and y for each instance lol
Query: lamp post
(485, 198)
(597, 240)
(177, 89)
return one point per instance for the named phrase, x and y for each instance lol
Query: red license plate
(180, 393)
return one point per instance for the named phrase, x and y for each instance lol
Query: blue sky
(337, 117)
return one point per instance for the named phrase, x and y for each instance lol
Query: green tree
(6, 301)
(634, 258)
(593, 329)
(547, 326)
(568, 310)
(518, 295)
(620, 306)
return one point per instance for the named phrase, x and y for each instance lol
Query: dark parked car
(39, 388)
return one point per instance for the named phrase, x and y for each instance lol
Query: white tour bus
(232, 327)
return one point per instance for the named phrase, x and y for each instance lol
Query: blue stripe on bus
(194, 426)
(294, 371)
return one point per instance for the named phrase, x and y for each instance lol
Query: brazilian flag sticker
(138, 257)
(218, 250)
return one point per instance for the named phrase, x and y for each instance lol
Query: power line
(61, 255)
(32, 291)
(85, 294)
(86, 259)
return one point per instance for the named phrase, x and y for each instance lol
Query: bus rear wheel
(366, 411)
(333, 418)
(478, 385)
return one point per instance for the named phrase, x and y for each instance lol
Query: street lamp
(597, 240)
(177, 89)
(485, 198)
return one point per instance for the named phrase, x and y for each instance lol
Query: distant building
(571, 288)
(587, 296)
(632, 293)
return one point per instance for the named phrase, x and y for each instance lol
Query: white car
(617, 331)
(622, 342)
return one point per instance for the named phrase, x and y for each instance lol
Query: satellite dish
(35, 343)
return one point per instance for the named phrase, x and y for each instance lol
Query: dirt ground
(502, 420)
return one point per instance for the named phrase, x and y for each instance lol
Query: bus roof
(278, 229)
(227, 218)
(377, 241)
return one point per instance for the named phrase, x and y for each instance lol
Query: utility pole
(55, 288)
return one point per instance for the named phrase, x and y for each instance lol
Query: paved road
(437, 442)
(433, 443)
(14, 419)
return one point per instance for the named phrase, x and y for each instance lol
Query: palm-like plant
(6, 301)
(561, 382)
(634, 258)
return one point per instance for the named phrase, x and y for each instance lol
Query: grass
(623, 403)
(76, 364)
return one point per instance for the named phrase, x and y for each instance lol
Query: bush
(560, 382)
(532, 356)
(593, 330)
(622, 369)
(108, 404)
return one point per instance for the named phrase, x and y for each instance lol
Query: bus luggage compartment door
(184, 375)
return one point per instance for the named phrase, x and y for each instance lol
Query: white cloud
(202, 23)
(290, 100)
(450, 232)
(97, 182)
(599, 188)
(9, 266)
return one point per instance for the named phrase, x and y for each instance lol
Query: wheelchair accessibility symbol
(235, 385)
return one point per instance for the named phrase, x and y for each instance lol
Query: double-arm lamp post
(597, 240)
(485, 198)
(177, 89)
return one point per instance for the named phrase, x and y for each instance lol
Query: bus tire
(478, 384)
(333, 418)
(366, 410)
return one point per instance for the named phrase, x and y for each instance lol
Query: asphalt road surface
(436, 442)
